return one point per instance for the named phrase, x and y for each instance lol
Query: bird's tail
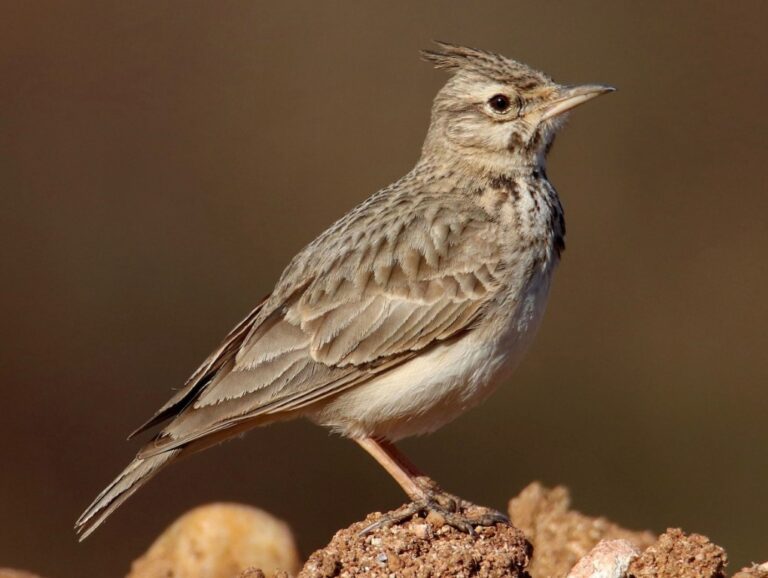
(138, 473)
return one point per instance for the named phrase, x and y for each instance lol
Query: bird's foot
(440, 508)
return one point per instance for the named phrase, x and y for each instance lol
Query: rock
(609, 559)
(252, 573)
(418, 549)
(560, 536)
(11, 573)
(234, 541)
(257, 573)
(677, 555)
(219, 541)
(754, 571)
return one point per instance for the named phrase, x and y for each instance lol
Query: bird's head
(496, 111)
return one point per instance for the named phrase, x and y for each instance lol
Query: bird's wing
(203, 375)
(346, 309)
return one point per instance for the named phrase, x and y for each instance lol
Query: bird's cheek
(517, 139)
(464, 132)
(523, 134)
(499, 137)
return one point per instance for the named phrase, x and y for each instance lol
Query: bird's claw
(446, 508)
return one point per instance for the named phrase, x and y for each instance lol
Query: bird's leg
(425, 494)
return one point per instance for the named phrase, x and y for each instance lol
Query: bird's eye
(499, 102)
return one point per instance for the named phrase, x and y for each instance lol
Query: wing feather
(352, 305)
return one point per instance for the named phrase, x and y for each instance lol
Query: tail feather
(138, 473)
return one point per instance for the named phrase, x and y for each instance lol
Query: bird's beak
(571, 96)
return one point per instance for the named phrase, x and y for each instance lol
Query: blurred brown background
(160, 162)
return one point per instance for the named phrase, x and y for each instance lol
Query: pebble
(435, 520)
(421, 531)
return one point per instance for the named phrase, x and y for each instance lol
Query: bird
(410, 309)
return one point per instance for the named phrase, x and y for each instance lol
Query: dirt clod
(421, 548)
(563, 543)
(257, 573)
(561, 536)
(677, 555)
(252, 573)
(754, 571)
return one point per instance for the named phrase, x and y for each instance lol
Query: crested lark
(412, 307)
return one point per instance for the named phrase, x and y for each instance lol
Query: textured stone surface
(609, 559)
(219, 541)
(677, 555)
(754, 571)
(421, 548)
(232, 541)
(11, 573)
(561, 536)
(258, 573)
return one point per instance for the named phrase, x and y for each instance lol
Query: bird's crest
(457, 58)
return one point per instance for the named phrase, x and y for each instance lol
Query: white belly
(432, 389)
